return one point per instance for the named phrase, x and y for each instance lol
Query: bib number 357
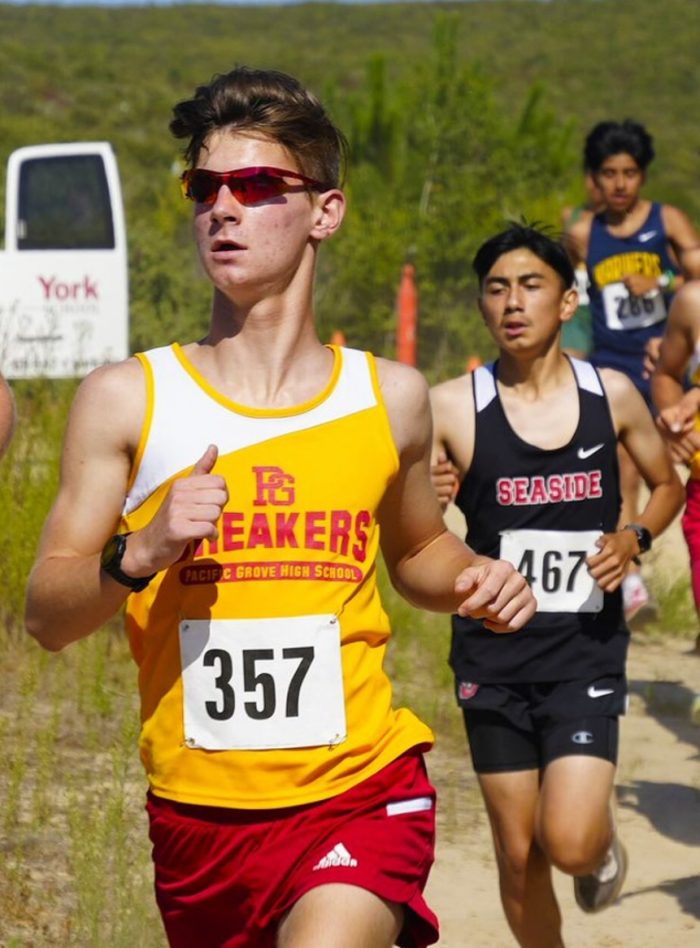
(262, 683)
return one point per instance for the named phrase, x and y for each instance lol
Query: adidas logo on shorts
(338, 856)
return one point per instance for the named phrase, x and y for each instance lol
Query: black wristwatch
(643, 537)
(111, 562)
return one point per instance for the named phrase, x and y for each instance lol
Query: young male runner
(237, 486)
(637, 253)
(679, 412)
(533, 437)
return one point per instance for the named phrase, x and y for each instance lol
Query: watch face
(644, 539)
(643, 536)
(113, 551)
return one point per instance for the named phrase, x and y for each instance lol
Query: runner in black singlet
(533, 439)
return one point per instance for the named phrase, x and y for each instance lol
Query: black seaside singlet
(542, 510)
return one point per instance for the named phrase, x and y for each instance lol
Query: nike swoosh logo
(647, 235)
(594, 692)
(584, 453)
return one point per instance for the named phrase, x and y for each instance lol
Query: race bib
(554, 564)
(252, 684)
(624, 311)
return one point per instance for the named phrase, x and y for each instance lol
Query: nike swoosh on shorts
(594, 692)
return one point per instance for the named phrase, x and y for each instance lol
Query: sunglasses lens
(259, 187)
(203, 186)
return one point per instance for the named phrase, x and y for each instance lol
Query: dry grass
(74, 841)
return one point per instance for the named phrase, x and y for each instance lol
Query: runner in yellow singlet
(234, 490)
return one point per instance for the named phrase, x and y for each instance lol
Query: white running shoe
(637, 602)
(601, 888)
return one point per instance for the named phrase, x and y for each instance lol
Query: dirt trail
(658, 793)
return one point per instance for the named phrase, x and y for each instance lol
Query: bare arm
(429, 565)
(7, 415)
(685, 241)
(452, 409)
(638, 434)
(68, 595)
(577, 239)
(678, 409)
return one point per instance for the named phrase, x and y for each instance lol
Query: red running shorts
(226, 878)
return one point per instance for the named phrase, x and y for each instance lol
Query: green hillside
(459, 115)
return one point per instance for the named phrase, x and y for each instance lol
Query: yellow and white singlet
(261, 654)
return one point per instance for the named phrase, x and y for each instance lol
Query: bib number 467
(554, 564)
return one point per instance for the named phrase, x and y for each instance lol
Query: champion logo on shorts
(582, 737)
(467, 690)
(338, 856)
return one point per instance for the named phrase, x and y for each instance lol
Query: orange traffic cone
(407, 316)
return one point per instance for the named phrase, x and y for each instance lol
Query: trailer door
(63, 274)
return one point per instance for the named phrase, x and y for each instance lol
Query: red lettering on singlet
(315, 530)
(557, 488)
(339, 540)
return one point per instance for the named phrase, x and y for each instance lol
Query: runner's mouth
(221, 246)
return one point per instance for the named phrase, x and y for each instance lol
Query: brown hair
(267, 103)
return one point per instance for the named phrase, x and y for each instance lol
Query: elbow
(49, 645)
(44, 630)
(45, 637)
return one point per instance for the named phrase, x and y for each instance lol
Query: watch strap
(643, 535)
(111, 561)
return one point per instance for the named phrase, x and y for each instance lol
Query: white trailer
(63, 272)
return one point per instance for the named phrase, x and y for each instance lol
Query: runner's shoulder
(460, 387)
(112, 399)
(405, 394)
(674, 217)
(617, 385)
(397, 378)
(113, 381)
(577, 236)
(685, 309)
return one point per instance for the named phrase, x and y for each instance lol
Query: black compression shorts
(525, 727)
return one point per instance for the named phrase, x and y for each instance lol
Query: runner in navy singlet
(637, 253)
(533, 440)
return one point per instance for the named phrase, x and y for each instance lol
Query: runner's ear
(569, 304)
(329, 212)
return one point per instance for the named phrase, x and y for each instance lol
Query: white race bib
(554, 564)
(624, 311)
(262, 683)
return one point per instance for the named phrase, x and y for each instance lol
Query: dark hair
(616, 138)
(515, 236)
(267, 103)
